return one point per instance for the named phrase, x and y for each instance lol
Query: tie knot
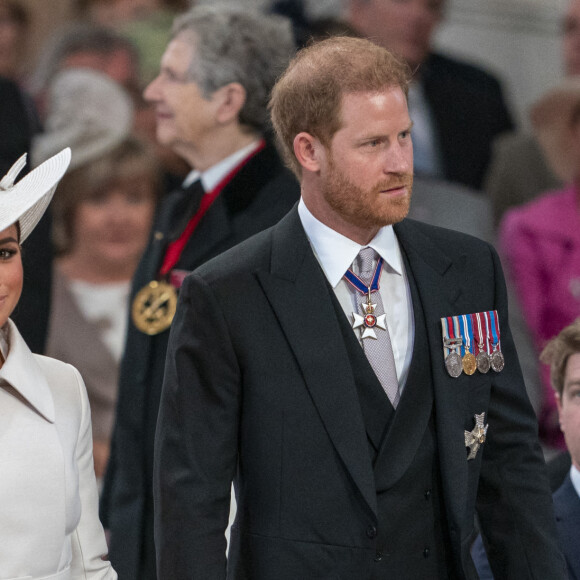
(365, 262)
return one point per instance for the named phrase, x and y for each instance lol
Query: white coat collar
(22, 371)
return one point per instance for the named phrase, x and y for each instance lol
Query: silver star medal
(474, 439)
(370, 320)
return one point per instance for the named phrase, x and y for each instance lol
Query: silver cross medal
(369, 321)
(474, 439)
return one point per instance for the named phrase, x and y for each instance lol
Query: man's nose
(399, 159)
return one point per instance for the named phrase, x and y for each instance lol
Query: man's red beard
(367, 208)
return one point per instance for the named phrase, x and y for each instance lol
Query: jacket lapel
(439, 287)
(376, 408)
(300, 297)
(23, 374)
(213, 229)
(407, 429)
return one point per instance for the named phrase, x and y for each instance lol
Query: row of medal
(472, 342)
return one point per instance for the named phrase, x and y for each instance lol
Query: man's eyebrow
(573, 383)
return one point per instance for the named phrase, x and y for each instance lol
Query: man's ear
(309, 151)
(558, 398)
(230, 100)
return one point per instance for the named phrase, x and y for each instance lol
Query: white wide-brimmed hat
(554, 117)
(26, 201)
(86, 111)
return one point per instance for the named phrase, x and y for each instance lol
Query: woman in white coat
(49, 525)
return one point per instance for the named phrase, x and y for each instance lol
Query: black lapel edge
(298, 293)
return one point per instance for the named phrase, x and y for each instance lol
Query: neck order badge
(370, 320)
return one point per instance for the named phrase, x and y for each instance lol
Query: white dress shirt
(212, 176)
(575, 477)
(336, 253)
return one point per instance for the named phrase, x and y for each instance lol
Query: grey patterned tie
(379, 351)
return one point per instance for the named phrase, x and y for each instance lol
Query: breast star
(474, 439)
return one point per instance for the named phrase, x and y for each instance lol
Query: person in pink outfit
(540, 241)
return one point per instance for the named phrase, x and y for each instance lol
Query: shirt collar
(212, 176)
(575, 477)
(4, 341)
(336, 252)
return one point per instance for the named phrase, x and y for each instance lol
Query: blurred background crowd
(73, 73)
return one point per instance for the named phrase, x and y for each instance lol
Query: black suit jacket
(567, 511)
(258, 196)
(258, 388)
(469, 111)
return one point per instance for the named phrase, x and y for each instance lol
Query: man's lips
(398, 189)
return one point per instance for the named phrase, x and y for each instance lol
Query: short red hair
(308, 96)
